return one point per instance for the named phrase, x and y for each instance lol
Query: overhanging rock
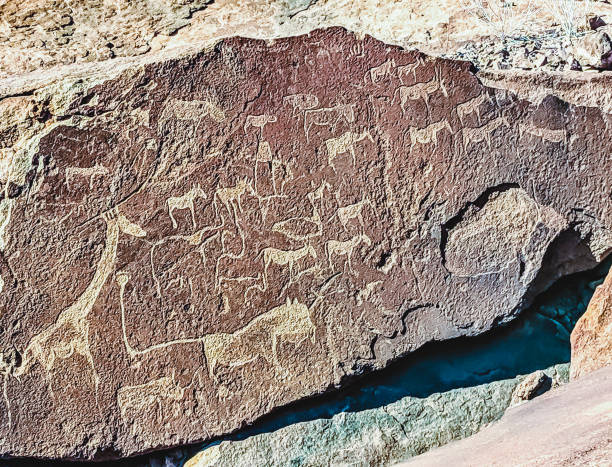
(196, 241)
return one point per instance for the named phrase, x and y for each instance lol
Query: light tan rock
(529, 387)
(594, 50)
(592, 337)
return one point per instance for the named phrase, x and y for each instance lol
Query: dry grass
(503, 18)
(570, 15)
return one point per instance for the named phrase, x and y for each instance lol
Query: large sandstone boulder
(188, 243)
(592, 336)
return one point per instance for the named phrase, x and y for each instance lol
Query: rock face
(190, 243)
(592, 337)
(568, 426)
(375, 437)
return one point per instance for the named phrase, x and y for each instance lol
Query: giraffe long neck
(85, 302)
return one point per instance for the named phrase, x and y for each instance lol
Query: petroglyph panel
(199, 241)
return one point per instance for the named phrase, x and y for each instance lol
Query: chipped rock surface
(188, 243)
(592, 336)
(376, 437)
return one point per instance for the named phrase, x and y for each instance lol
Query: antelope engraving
(69, 334)
(338, 248)
(148, 398)
(472, 106)
(284, 258)
(420, 91)
(328, 116)
(230, 197)
(429, 134)
(258, 121)
(318, 194)
(380, 72)
(365, 294)
(185, 202)
(343, 144)
(483, 133)
(552, 136)
(290, 322)
(353, 211)
(193, 111)
(91, 172)
(405, 70)
(301, 102)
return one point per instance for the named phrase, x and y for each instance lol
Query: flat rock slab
(194, 242)
(571, 425)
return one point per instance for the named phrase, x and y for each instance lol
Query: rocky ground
(36, 35)
(569, 426)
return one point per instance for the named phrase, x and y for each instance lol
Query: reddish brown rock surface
(592, 336)
(196, 241)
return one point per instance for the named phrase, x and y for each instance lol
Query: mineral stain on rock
(251, 225)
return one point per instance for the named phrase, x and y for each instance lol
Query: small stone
(595, 22)
(541, 60)
(574, 65)
(594, 49)
(533, 385)
(65, 20)
(523, 63)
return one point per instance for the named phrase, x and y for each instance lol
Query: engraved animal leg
(192, 209)
(278, 368)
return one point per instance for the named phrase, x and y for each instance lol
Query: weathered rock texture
(40, 34)
(592, 337)
(571, 425)
(376, 437)
(197, 241)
